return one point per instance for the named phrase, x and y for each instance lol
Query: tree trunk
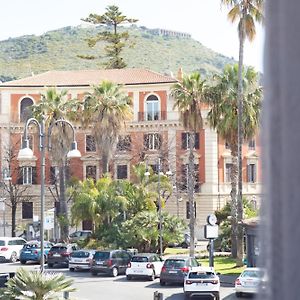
(13, 219)
(233, 194)
(63, 209)
(191, 185)
(240, 246)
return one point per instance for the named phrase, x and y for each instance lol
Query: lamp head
(25, 152)
(74, 152)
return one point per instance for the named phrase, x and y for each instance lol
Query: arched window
(25, 111)
(152, 108)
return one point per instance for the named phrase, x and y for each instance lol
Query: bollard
(158, 296)
(66, 295)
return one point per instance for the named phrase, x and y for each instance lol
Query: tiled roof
(90, 77)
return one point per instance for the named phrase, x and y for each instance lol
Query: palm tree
(189, 95)
(223, 117)
(107, 108)
(53, 106)
(246, 12)
(36, 285)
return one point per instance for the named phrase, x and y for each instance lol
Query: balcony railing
(152, 116)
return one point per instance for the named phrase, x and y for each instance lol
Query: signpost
(211, 233)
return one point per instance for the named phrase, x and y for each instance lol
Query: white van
(10, 248)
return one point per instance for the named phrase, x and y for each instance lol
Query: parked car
(187, 241)
(202, 281)
(147, 265)
(176, 268)
(112, 262)
(60, 253)
(31, 251)
(81, 260)
(249, 280)
(10, 248)
(79, 235)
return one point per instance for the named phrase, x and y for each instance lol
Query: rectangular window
(185, 178)
(251, 172)
(91, 172)
(185, 140)
(53, 175)
(27, 210)
(152, 141)
(188, 210)
(27, 175)
(122, 172)
(90, 143)
(124, 143)
(251, 144)
(228, 169)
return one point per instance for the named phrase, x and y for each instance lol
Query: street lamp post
(27, 153)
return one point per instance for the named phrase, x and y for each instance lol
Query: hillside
(59, 49)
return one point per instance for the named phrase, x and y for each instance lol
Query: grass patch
(224, 265)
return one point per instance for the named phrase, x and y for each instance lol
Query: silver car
(81, 260)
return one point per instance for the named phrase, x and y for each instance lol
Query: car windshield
(174, 263)
(201, 275)
(2, 243)
(80, 254)
(31, 246)
(253, 273)
(101, 255)
(139, 259)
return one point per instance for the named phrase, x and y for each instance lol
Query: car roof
(85, 250)
(144, 254)
(252, 269)
(178, 257)
(11, 238)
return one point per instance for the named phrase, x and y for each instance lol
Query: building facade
(153, 132)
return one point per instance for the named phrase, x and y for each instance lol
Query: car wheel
(128, 277)
(238, 294)
(71, 269)
(162, 283)
(13, 257)
(50, 265)
(23, 262)
(114, 272)
(152, 277)
(94, 273)
(217, 296)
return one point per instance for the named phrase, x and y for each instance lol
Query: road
(103, 287)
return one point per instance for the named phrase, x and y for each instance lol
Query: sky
(205, 20)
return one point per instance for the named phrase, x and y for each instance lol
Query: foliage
(223, 242)
(65, 44)
(142, 231)
(36, 285)
(107, 108)
(115, 40)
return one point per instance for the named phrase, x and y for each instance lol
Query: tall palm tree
(53, 106)
(107, 108)
(246, 12)
(189, 94)
(223, 117)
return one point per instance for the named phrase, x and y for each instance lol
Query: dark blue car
(31, 251)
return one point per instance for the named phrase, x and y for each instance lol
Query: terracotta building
(154, 131)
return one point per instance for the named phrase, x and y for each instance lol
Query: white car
(202, 281)
(81, 260)
(146, 265)
(248, 282)
(10, 248)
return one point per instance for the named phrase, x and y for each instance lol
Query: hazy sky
(205, 20)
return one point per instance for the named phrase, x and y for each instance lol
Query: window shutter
(197, 143)
(52, 178)
(184, 140)
(34, 175)
(197, 179)
(254, 172)
(20, 175)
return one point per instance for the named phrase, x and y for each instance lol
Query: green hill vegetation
(59, 50)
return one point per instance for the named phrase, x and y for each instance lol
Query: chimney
(180, 74)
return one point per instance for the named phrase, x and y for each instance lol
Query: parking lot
(104, 287)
